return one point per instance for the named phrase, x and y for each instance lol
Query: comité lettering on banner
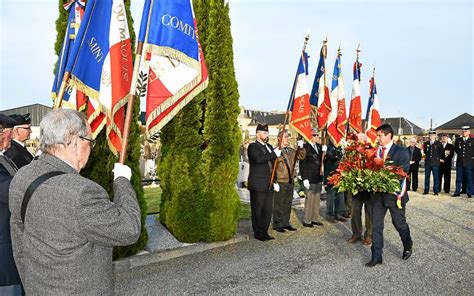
(103, 68)
(299, 105)
(172, 69)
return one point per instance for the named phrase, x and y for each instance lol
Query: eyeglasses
(91, 141)
(315, 135)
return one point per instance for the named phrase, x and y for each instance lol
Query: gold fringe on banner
(178, 107)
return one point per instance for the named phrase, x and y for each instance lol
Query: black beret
(262, 127)
(7, 122)
(21, 119)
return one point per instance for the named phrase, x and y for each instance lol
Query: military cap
(432, 133)
(21, 119)
(262, 127)
(465, 127)
(6, 121)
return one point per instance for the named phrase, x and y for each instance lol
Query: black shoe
(436, 193)
(372, 263)
(456, 194)
(425, 193)
(308, 225)
(341, 219)
(290, 228)
(260, 237)
(317, 223)
(469, 196)
(406, 254)
(463, 192)
(346, 216)
(279, 229)
(268, 237)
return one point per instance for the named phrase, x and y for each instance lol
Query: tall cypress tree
(221, 130)
(101, 161)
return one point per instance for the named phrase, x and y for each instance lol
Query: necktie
(382, 152)
(315, 148)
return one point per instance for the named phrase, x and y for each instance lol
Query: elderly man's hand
(121, 170)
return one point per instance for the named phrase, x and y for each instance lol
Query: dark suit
(445, 166)
(464, 164)
(415, 156)
(383, 201)
(261, 158)
(9, 273)
(310, 169)
(433, 153)
(19, 154)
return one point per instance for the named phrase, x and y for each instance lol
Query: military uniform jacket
(8, 272)
(310, 166)
(447, 155)
(432, 152)
(19, 154)
(286, 164)
(464, 151)
(261, 158)
(71, 226)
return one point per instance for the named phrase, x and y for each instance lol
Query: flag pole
(283, 127)
(59, 100)
(130, 104)
(324, 132)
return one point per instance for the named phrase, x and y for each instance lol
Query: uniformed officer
(21, 132)
(261, 159)
(285, 171)
(464, 148)
(446, 162)
(432, 150)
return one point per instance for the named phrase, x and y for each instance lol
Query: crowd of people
(273, 171)
(57, 228)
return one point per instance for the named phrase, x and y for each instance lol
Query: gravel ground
(319, 261)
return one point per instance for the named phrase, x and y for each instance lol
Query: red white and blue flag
(319, 98)
(172, 68)
(299, 105)
(102, 67)
(337, 118)
(355, 110)
(373, 115)
(72, 99)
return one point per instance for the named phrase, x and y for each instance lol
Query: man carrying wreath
(383, 201)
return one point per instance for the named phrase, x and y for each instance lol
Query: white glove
(121, 170)
(277, 152)
(276, 187)
(325, 148)
(306, 184)
(300, 143)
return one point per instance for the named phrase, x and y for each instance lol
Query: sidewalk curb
(150, 258)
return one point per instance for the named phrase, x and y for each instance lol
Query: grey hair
(59, 126)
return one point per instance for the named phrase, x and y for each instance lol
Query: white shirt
(387, 149)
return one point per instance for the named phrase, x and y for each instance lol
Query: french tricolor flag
(373, 115)
(355, 110)
(172, 68)
(103, 68)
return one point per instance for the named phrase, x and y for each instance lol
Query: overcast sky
(422, 51)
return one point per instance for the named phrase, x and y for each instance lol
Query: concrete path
(319, 261)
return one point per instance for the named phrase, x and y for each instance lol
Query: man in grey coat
(64, 246)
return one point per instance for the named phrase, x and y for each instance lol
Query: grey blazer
(71, 226)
